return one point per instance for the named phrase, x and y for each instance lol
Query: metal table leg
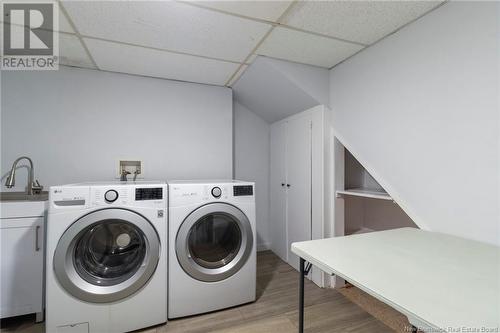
(301, 296)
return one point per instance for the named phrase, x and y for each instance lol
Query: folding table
(440, 282)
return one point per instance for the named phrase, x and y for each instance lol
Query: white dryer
(106, 257)
(212, 250)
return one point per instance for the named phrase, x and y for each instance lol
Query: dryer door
(107, 255)
(214, 241)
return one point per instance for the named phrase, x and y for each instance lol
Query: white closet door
(298, 162)
(278, 190)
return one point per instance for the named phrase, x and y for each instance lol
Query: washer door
(107, 255)
(214, 241)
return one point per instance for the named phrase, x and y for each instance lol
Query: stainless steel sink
(23, 196)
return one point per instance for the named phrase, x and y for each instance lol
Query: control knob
(216, 192)
(110, 196)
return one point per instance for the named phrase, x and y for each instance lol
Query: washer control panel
(86, 195)
(133, 196)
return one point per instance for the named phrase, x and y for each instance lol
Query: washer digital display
(241, 190)
(150, 193)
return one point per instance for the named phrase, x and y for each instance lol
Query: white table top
(439, 281)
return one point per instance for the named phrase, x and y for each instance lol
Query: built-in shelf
(359, 192)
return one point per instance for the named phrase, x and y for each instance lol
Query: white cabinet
(297, 188)
(22, 263)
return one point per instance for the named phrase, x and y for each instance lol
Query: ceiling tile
(64, 24)
(72, 53)
(264, 10)
(168, 25)
(237, 75)
(148, 62)
(305, 48)
(360, 21)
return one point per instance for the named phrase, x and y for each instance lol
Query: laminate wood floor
(275, 310)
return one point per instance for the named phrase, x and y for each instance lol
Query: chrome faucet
(33, 187)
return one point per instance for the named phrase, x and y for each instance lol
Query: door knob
(282, 184)
(288, 185)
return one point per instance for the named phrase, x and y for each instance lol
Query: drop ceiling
(213, 42)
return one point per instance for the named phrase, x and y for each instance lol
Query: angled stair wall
(275, 89)
(420, 110)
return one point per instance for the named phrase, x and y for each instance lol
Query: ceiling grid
(77, 34)
(220, 39)
(233, 78)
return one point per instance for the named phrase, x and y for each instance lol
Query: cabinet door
(298, 161)
(278, 190)
(21, 266)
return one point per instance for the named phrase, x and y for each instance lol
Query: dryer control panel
(182, 193)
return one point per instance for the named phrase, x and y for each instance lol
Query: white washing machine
(106, 257)
(212, 250)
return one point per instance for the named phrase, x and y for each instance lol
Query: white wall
(420, 111)
(276, 89)
(269, 93)
(76, 124)
(251, 162)
(311, 79)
